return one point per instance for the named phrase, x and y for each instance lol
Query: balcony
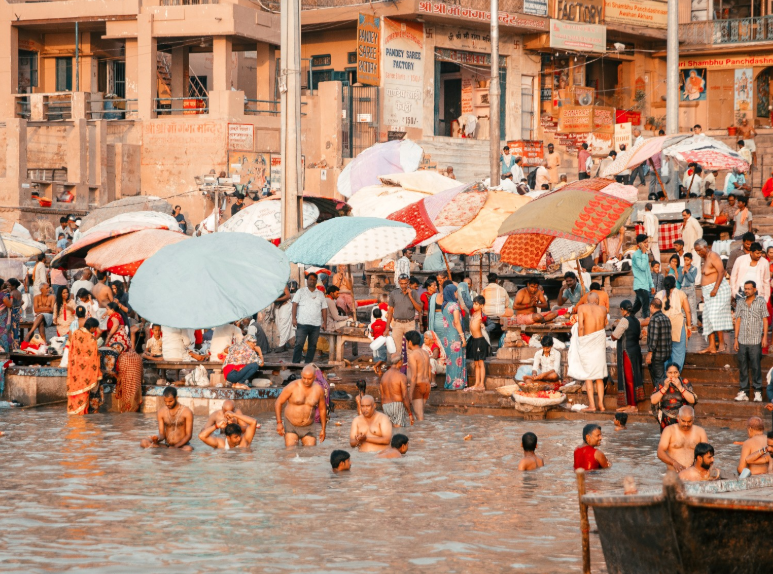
(724, 32)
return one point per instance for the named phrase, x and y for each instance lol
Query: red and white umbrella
(123, 255)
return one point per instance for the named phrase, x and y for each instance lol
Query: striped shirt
(751, 317)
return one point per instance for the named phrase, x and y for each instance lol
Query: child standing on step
(478, 346)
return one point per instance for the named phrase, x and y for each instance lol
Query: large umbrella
(348, 240)
(123, 255)
(380, 159)
(382, 201)
(710, 153)
(123, 206)
(264, 219)
(16, 246)
(439, 215)
(639, 153)
(209, 281)
(74, 256)
(581, 215)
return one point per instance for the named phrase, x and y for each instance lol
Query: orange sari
(82, 371)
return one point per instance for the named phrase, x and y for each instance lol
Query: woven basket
(539, 402)
(508, 390)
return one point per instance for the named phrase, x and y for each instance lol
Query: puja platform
(35, 385)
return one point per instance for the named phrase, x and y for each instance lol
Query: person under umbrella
(453, 340)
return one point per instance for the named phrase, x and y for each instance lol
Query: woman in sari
(83, 371)
(431, 288)
(116, 341)
(464, 300)
(437, 356)
(63, 311)
(10, 315)
(128, 389)
(630, 377)
(452, 337)
(674, 304)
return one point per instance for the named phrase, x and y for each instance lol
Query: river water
(77, 494)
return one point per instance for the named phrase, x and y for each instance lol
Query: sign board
(241, 137)
(575, 119)
(578, 37)
(364, 118)
(623, 135)
(467, 96)
(530, 150)
(506, 18)
(395, 136)
(276, 173)
(253, 169)
(368, 49)
(726, 63)
(603, 120)
(403, 63)
(622, 116)
(548, 123)
(637, 13)
(585, 12)
(535, 7)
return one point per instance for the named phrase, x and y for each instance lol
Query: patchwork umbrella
(264, 219)
(381, 159)
(209, 281)
(581, 215)
(710, 153)
(348, 240)
(123, 255)
(439, 215)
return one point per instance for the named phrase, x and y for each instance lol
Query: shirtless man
(754, 453)
(218, 416)
(530, 461)
(701, 469)
(398, 447)
(527, 303)
(43, 306)
(302, 397)
(175, 425)
(419, 373)
(478, 346)
(716, 297)
(678, 441)
(102, 292)
(239, 431)
(395, 397)
(591, 318)
(747, 133)
(371, 431)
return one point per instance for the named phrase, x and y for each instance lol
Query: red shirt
(377, 328)
(383, 306)
(767, 189)
(585, 457)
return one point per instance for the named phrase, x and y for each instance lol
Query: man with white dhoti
(283, 312)
(588, 349)
(652, 230)
(716, 298)
(691, 230)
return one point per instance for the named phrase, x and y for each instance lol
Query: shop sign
(403, 73)
(728, 63)
(603, 120)
(578, 37)
(548, 123)
(465, 39)
(582, 96)
(276, 172)
(241, 137)
(623, 116)
(572, 142)
(467, 96)
(586, 11)
(368, 49)
(530, 150)
(469, 58)
(519, 20)
(623, 135)
(575, 119)
(637, 13)
(535, 7)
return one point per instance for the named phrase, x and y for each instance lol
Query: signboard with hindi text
(578, 37)
(403, 63)
(241, 137)
(369, 49)
(603, 120)
(575, 119)
(530, 150)
(637, 13)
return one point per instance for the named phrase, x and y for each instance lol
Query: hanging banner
(535, 7)
(575, 119)
(530, 150)
(743, 91)
(368, 49)
(403, 62)
(603, 120)
(722, 63)
(578, 37)
(623, 135)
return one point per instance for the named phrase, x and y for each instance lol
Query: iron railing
(736, 31)
(270, 107)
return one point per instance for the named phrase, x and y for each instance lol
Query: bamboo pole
(584, 525)
(448, 267)
(660, 181)
(583, 289)
(354, 299)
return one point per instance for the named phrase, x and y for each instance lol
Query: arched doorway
(762, 89)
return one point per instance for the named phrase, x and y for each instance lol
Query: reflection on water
(78, 494)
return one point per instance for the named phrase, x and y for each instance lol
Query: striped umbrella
(123, 255)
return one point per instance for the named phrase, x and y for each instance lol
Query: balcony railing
(510, 6)
(737, 31)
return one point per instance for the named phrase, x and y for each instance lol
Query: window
(527, 107)
(318, 76)
(28, 71)
(320, 61)
(119, 78)
(64, 74)
(351, 58)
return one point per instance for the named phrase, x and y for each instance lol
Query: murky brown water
(78, 495)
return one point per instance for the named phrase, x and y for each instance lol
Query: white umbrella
(264, 219)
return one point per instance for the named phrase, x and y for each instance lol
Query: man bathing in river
(587, 456)
(398, 447)
(395, 398)
(528, 303)
(175, 424)
(702, 466)
(219, 415)
(419, 373)
(478, 346)
(302, 397)
(371, 431)
(340, 461)
(231, 426)
(530, 461)
(754, 453)
(678, 441)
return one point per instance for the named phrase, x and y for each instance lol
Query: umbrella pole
(480, 273)
(579, 275)
(690, 187)
(448, 268)
(354, 299)
(660, 181)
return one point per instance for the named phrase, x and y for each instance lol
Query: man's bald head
(593, 299)
(308, 374)
(368, 406)
(756, 424)
(367, 399)
(687, 410)
(228, 406)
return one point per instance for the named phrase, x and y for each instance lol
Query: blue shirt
(507, 164)
(642, 275)
(731, 180)
(61, 244)
(688, 279)
(575, 295)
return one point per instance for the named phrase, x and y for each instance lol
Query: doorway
(452, 102)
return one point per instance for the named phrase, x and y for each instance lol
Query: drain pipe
(77, 59)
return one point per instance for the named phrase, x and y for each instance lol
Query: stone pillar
(9, 70)
(131, 76)
(80, 105)
(38, 103)
(15, 163)
(180, 73)
(221, 63)
(266, 72)
(147, 85)
(77, 156)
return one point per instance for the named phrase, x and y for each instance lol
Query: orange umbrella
(123, 255)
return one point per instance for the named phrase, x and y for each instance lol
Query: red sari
(82, 371)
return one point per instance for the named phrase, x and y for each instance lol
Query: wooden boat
(712, 527)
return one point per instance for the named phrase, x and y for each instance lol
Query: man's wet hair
(377, 313)
(91, 323)
(529, 441)
(595, 286)
(414, 337)
(588, 429)
(101, 275)
(232, 429)
(532, 281)
(399, 440)
(702, 448)
(622, 418)
(337, 457)
(361, 385)
(170, 391)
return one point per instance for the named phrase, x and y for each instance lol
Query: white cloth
(222, 337)
(38, 277)
(709, 182)
(310, 305)
(176, 343)
(402, 267)
(697, 185)
(543, 176)
(651, 225)
(691, 232)
(81, 284)
(761, 275)
(587, 356)
(496, 300)
(284, 323)
(543, 364)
